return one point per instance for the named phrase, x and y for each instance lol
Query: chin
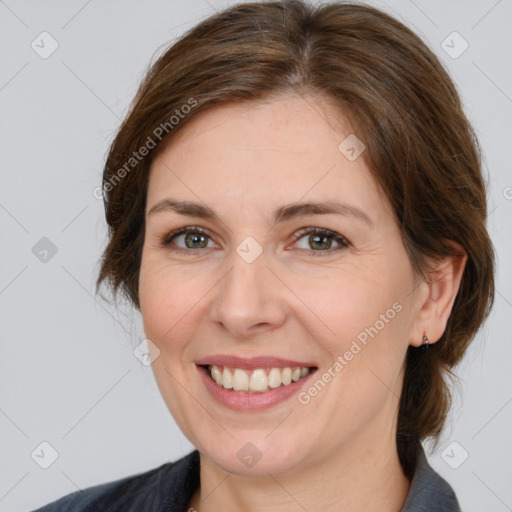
(256, 458)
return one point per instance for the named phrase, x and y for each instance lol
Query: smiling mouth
(259, 380)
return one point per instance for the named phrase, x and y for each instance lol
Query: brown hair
(420, 148)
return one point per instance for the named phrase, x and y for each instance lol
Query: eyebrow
(284, 213)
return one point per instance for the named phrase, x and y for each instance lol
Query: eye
(320, 240)
(194, 237)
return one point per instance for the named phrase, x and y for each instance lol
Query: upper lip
(251, 363)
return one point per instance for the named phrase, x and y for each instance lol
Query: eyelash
(343, 242)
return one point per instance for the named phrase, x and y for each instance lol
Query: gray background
(68, 375)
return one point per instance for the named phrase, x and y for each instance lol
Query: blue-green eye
(321, 240)
(195, 238)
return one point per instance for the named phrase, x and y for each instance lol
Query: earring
(424, 346)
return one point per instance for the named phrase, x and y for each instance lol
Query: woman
(296, 207)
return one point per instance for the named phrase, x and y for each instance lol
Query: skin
(338, 452)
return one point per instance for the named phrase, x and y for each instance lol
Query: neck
(358, 477)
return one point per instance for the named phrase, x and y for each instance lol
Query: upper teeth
(258, 380)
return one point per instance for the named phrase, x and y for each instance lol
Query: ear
(437, 296)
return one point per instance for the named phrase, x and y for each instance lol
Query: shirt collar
(429, 492)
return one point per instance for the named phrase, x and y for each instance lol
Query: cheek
(364, 357)
(342, 304)
(164, 302)
(173, 302)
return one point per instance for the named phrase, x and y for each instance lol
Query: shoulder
(429, 492)
(167, 487)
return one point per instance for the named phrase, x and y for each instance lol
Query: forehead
(272, 151)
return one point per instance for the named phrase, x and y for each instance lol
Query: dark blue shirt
(169, 488)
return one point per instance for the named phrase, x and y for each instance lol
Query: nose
(250, 300)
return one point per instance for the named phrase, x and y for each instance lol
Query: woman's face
(255, 285)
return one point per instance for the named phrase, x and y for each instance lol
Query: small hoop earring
(425, 344)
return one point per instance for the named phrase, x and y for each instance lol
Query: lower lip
(243, 401)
